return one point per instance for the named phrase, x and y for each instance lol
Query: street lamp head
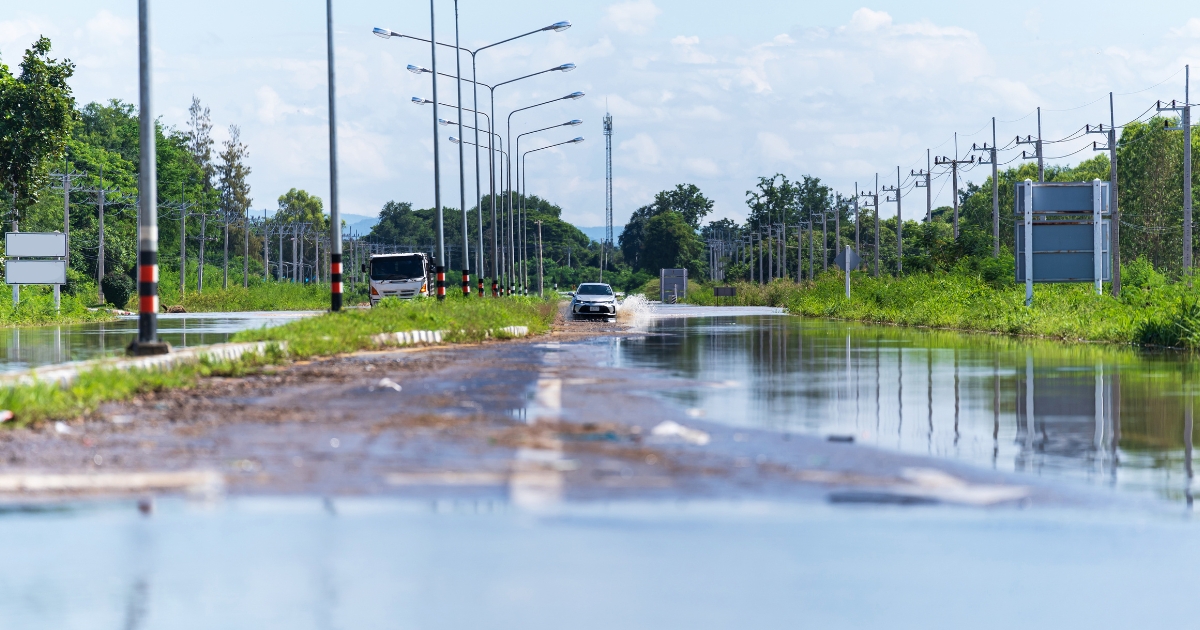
(566, 67)
(416, 69)
(443, 122)
(573, 123)
(576, 140)
(573, 96)
(417, 100)
(454, 140)
(558, 27)
(382, 32)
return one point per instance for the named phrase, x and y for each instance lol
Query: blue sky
(712, 93)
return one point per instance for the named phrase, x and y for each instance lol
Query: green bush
(118, 288)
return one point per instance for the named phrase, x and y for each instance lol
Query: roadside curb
(65, 373)
(416, 337)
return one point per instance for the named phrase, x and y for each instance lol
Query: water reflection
(1107, 414)
(22, 348)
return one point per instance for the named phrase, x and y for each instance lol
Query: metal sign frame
(672, 283)
(1066, 228)
(33, 258)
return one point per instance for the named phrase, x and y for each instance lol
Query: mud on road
(534, 420)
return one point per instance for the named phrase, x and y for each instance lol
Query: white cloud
(685, 50)
(702, 166)
(1191, 28)
(643, 149)
(1033, 20)
(775, 147)
(635, 17)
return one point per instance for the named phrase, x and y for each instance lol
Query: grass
(321, 336)
(1149, 312)
(36, 308)
(465, 319)
(261, 295)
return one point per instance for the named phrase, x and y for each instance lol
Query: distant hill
(597, 233)
(360, 223)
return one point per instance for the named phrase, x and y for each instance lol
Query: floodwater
(1110, 416)
(315, 563)
(1100, 418)
(23, 348)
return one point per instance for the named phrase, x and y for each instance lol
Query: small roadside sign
(848, 259)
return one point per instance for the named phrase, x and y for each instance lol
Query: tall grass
(1158, 313)
(36, 308)
(261, 295)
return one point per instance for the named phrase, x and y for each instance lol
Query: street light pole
(440, 267)
(462, 174)
(335, 220)
(566, 67)
(147, 342)
(557, 27)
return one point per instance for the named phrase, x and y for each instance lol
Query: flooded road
(349, 562)
(1113, 416)
(23, 348)
(990, 483)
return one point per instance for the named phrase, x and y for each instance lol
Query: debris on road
(672, 429)
(386, 383)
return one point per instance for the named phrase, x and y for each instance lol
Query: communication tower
(608, 200)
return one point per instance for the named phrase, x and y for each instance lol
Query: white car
(594, 299)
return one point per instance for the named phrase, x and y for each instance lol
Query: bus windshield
(398, 268)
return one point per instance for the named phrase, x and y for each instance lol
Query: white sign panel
(35, 245)
(35, 272)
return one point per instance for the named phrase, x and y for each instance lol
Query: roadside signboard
(35, 245)
(672, 285)
(35, 272)
(35, 258)
(1061, 233)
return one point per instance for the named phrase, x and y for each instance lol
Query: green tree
(232, 173)
(672, 243)
(686, 200)
(36, 113)
(298, 205)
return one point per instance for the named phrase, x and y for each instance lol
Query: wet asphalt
(532, 421)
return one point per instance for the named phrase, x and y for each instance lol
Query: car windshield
(400, 268)
(594, 289)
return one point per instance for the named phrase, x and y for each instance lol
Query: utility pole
(874, 203)
(995, 188)
(922, 181)
(954, 176)
(1037, 149)
(857, 223)
(837, 226)
(1114, 211)
(899, 191)
(875, 208)
(101, 197)
(67, 176)
(1186, 127)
